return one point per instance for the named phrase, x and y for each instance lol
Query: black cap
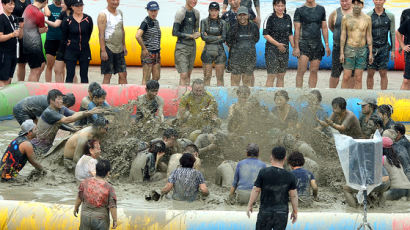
(353, 1)
(214, 5)
(77, 3)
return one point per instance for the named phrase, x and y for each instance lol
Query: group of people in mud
(360, 41)
(198, 139)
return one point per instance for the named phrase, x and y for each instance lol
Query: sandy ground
(60, 187)
(169, 76)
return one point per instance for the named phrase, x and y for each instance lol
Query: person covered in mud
(51, 120)
(245, 174)
(286, 114)
(400, 151)
(247, 4)
(18, 152)
(277, 30)
(198, 108)
(74, 147)
(150, 104)
(174, 160)
(186, 29)
(213, 32)
(169, 137)
(343, 120)
(87, 100)
(85, 167)
(385, 111)
(32, 107)
(98, 100)
(369, 114)
(186, 181)
(208, 143)
(400, 184)
(401, 138)
(153, 156)
(305, 180)
(241, 40)
(231, 16)
(97, 199)
(313, 112)
(277, 186)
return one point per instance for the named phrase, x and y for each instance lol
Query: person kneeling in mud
(85, 167)
(241, 39)
(186, 181)
(74, 147)
(245, 174)
(150, 105)
(18, 152)
(145, 166)
(304, 179)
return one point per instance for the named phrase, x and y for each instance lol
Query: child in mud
(85, 167)
(87, 100)
(97, 199)
(150, 105)
(304, 179)
(186, 181)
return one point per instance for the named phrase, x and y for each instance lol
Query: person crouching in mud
(186, 181)
(241, 39)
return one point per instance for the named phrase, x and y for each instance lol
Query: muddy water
(60, 186)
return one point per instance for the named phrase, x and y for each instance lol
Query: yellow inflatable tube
(134, 49)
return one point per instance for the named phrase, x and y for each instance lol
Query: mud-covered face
(346, 4)
(357, 8)
(98, 101)
(312, 99)
(213, 13)
(243, 19)
(280, 100)
(198, 90)
(153, 14)
(152, 93)
(279, 8)
(336, 110)
(58, 102)
(366, 109)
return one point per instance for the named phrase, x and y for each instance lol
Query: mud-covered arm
(343, 35)
(179, 17)
(369, 37)
(28, 150)
(207, 38)
(256, 34)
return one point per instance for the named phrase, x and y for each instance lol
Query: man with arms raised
(355, 38)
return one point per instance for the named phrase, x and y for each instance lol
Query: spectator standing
(277, 30)
(310, 22)
(149, 38)
(186, 28)
(404, 30)
(112, 42)
(276, 186)
(382, 24)
(19, 7)
(213, 32)
(76, 30)
(335, 25)
(9, 34)
(53, 37)
(34, 26)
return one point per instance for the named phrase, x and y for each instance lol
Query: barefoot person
(248, 4)
(404, 31)
(149, 38)
(355, 40)
(186, 29)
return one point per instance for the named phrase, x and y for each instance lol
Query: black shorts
(406, 66)
(35, 60)
(312, 49)
(276, 61)
(269, 220)
(7, 66)
(114, 64)
(380, 58)
(22, 57)
(337, 67)
(241, 62)
(51, 47)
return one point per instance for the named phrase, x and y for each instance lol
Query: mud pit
(120, 146)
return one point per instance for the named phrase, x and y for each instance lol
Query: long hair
(392, 157)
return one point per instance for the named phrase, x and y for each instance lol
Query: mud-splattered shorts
(242, 62)
(380, 58)
(312, 49)
(355, 57)
(213, 54)
(184, 57)
(115, 63)
(154, 57)
(276, 61)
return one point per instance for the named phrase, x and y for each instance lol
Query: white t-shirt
(84, 167)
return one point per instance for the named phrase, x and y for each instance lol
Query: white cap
(27, 126)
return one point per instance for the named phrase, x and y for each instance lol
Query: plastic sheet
(361, 161)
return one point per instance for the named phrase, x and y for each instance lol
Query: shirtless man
(355, 38)
(73, 149)
(335, 25)
(343, 120)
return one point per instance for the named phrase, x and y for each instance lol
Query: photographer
(8, 42)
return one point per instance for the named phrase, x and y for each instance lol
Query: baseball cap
(353, 1)
(214, 5)
(152, 5)
(368, 100)
(77, 3)
(26, 127)
(387, 142)
(243, 10)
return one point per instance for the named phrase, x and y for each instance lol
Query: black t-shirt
(405, 28)
(278, 28)
(275, 184)
(19, 7)
(404, 16)
(6, 23)
(311, 19)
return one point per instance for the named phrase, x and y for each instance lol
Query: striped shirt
(152, 34)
